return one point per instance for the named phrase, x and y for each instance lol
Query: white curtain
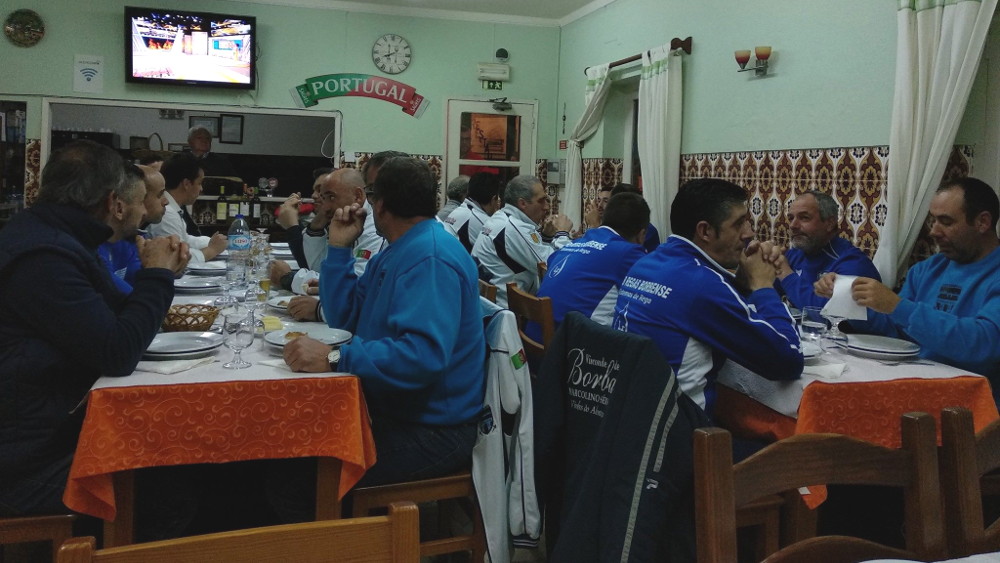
(598, 86)
(938, 47)
(659, 132)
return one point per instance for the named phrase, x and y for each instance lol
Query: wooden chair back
(55, 529)
(527, 307)
(966, 457)
(459, 486)
(722, 488)
(488, 290)
(391, 538)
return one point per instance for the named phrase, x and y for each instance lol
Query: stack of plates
(196, 285)
(811, 350)
(880, 347)
(182, 345)
(213, 268)
(280, 251)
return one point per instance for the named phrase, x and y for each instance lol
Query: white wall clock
(391, 53)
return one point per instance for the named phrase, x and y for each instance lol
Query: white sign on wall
(88, 74)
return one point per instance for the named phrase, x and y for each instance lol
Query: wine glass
(237, 329)
(255, 299)
(834, 333)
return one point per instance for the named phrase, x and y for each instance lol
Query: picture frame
(207, 121)
(178, 147)
(231, 129)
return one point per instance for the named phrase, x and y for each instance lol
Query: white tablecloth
(784, 396)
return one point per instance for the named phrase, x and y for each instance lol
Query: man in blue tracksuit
(817, 250)
(950, 302)
(684, 296)
(418, 345)
(585, 275)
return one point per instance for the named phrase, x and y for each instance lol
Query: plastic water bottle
(239, 251)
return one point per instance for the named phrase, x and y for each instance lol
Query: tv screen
(202, 49)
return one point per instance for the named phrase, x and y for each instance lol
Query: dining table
(846, 393)
(209, 414)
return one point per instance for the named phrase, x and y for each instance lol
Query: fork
(904, 363)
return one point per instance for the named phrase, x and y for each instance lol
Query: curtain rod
(675, 43)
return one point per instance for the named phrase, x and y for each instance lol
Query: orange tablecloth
(133, 427)
(870, 411)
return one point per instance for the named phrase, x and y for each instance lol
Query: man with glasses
(340, 189)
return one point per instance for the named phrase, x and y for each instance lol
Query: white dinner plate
(326, 335)
(277, 245)
(282, 255)
(881, 344)
(178, 356)
(280, 302)
(213, 268)
(167, 343)
(195, 284)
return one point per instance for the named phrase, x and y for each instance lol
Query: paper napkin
(842, 304)
(173, 366)
(824, 371)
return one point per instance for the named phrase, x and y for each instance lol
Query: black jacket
(63, 324)
(613, 442)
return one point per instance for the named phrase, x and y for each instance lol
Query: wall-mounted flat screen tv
(164, 46)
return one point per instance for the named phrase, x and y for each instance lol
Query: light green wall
(830, 85)
(297, 43)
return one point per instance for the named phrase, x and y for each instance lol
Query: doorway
(490, 136)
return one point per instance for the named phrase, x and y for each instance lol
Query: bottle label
(239, 242)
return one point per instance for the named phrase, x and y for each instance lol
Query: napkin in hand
(172, 366)
(842, 304)
(824, 371)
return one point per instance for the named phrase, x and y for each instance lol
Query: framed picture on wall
(231, 129)
(206, 121)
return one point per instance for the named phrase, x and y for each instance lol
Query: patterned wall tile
(32, 169)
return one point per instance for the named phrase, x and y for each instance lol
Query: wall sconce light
(763, 53)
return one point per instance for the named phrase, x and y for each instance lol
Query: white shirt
(173, 224)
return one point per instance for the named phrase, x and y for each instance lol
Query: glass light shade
(743, 57)
(763, 53)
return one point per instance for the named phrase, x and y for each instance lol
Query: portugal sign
(365, 85)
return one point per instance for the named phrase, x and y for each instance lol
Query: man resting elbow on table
(63, 322)
(684, 296)
(950, 302)
(418, 343)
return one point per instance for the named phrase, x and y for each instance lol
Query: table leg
(120, 531)
(327, 488)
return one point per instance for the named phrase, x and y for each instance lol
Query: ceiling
(537, 12)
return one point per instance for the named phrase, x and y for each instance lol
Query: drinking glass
(813, 325)
(237, 329)
(256, 300)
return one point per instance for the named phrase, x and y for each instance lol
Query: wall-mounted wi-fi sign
(88, 74)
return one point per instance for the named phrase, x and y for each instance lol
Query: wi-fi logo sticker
(88, 73)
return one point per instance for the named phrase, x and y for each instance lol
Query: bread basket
(193, 317)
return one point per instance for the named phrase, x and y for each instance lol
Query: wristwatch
(334, 358)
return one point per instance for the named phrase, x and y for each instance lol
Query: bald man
(340, 189)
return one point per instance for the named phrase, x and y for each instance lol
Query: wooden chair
(389, 538)
(722, 488)
(459, 486)
(527, 307)
(543, 268)
(488, 290)
(56, 529)
(966, 458)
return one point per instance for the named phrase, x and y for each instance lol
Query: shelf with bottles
(259, 212)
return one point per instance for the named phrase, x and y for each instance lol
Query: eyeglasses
(328, 197)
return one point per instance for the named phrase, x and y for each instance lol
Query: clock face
(391, 54)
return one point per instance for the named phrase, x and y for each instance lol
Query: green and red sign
(365, 85)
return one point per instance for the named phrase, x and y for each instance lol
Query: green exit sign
(492, 85)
